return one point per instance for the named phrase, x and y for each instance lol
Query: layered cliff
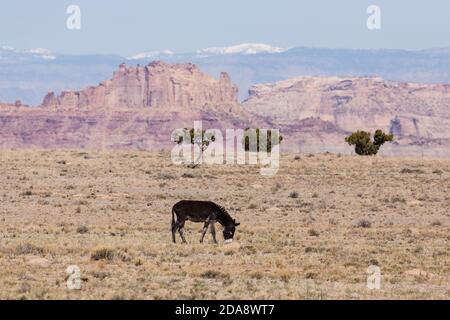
(418, 114)
(138, 107)
(157, 85)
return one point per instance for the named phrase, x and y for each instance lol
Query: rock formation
(418, 114)
(157, 85)
(138, 108)
(141, 106)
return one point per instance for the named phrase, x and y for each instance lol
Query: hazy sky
(133, 26)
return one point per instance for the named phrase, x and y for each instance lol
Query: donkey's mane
(223, 217)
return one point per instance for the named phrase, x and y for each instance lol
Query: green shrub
(364, 146)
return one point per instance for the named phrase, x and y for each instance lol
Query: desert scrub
(436, 223)
(165, 176)
(332, 221)
(363, 223)
(109, 254)
(82, 229)
(400, 239)
(27, 193)
(293, 195)
(211, 274)
(409, 170)
(189, 175)
(28, 248)
(252, 206)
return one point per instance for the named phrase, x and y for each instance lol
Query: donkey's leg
(174, 230)
(181, 231)
(213, 232)
(205, 228)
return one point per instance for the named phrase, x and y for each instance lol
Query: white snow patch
(245, 48)
(40, 51)
(43, 53)
(151, 54)
(7, 48)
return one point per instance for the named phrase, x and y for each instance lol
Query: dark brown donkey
(202, 211)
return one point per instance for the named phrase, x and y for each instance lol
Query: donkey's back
(196, 211)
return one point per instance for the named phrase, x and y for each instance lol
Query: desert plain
(309, 232)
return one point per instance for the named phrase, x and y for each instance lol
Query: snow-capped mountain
(152, 55)
(240, 49)
(6, 48)
(43, 53)
(8, 52)
(29, 74)
(245, 48)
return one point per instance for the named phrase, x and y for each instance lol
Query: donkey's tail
(173, 216)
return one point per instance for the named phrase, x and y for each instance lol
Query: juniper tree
(363, 143)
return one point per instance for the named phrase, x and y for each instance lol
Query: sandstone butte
(140, 107)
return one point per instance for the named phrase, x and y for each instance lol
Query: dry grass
(109, 214)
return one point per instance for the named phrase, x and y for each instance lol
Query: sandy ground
(310, 232)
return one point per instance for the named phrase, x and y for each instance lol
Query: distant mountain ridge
(28, 75)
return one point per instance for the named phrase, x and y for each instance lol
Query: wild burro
(202, 211)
